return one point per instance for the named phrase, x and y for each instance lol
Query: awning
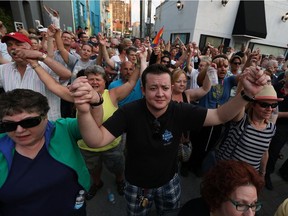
(251, 20)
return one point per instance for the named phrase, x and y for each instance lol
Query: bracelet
(43, 57)
(94, 105)
(35, 66)
(246, 98)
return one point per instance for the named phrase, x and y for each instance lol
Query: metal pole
(149, 18)
(142, 17)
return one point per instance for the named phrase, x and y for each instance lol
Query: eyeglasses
(244, 207)
(26, 123)
(267, 105)
(156, 126)
(237, 63)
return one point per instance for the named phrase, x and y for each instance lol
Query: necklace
(217, 92)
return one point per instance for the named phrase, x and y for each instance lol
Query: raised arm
(50, 45)
(119, 93)
(103, 50)
(142, 57)
(196, 94)
(63, 52)
(50, 83)
(253, 80)
(93, 135)
(55, 66)
(188, 59)
(182, 58)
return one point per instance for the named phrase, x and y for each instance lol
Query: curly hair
(220, 182)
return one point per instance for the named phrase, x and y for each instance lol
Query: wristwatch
(246, 97)
(43, 57)
(94, 105)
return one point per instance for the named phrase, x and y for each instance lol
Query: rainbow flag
(157, 38)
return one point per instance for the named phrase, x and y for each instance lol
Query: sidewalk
(99, 205)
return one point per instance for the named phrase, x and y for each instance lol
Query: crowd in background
(53, 59)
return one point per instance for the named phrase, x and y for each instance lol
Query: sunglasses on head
(25, 123)
(267, 105)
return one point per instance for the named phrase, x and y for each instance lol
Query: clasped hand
(83, 94)
(253, 79)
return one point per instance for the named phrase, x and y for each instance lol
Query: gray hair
(95, 69)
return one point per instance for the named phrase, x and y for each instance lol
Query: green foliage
(7, 19)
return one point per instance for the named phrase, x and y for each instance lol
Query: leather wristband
(93, 105)
(35, 66)
(246, 98)
(43, 57)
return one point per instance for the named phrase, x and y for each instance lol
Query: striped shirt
(252, 145)
(10, 79)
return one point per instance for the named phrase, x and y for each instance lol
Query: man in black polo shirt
(154, 125)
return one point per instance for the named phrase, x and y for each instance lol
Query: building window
(214, 41)
(267, 50)
(184, 37)
(81, 11)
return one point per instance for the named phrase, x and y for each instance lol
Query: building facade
(74, 13)
(257, 24)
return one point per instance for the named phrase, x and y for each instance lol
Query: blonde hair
(176, 73)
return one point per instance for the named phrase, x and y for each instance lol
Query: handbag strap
(241, 136)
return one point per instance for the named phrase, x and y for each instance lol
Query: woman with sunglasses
(230, 188)
(235, 63)
(42, 169)
(249, 134)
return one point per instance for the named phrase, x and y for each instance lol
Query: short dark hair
(154, 69)
(131, 49)
(67, 32)
(81, 34)
(121, 47)
(22, 100)
(166, 57)
(222, 180)
(88, 44)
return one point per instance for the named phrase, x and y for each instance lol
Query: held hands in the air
(83, 94)
(253, 79)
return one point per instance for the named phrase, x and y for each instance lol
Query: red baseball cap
(16, 36)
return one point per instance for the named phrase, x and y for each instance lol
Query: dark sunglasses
(267, 105)
(26, 123)
(237, 63)
(156, 126)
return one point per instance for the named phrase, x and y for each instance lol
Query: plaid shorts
(166, 198)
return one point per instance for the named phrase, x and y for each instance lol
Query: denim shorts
(166, 198)
(112, 158)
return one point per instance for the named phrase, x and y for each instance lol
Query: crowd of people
(72, 102)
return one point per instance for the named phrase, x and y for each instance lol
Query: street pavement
(100, 206)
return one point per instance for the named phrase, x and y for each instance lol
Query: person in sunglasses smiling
(255, 127)
(42, 169)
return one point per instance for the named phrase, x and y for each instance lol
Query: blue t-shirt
(49, 178)
(135, 94)
(219, 94)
